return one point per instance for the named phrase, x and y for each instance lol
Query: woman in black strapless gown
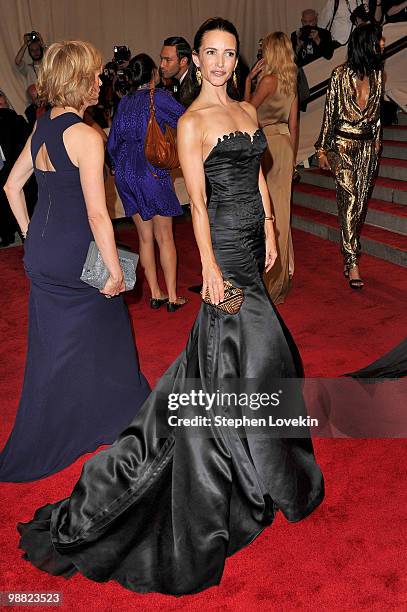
(163, 513)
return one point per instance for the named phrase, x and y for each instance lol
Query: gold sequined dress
(349, 136)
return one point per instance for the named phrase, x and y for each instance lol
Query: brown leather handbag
(160, 149)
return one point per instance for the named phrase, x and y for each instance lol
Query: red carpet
(350, 554)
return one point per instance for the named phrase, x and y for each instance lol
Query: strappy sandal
(356, 283)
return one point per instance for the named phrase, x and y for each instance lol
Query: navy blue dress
(82, 382)
(140, 191)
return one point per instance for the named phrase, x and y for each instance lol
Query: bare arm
(189, 142)
(88, 146)
(265, 196)
(266, 87)
(89, 120)
(271, 250)
(252, 74)
(19, 175)
(19, 58)
(20, 54)
(293, 126)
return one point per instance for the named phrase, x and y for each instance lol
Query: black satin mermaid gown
(162, 514)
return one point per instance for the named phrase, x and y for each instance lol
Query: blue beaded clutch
(95, 273)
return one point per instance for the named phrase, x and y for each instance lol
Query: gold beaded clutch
(232, 301)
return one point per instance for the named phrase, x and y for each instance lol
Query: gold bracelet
(272, 218)
(320, 153)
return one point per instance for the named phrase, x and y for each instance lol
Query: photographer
(34, 44)
(116, 78)
(311, 42)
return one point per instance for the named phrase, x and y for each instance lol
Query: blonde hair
(67, 73)
(278, 57)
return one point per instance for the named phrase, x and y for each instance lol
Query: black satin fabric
(162, 514)
(391, 365)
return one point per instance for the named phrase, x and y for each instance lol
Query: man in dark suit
(13, 133)
(311, 42)
(175, 58)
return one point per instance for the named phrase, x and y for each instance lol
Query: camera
(32, 36)
(109, 71)
(118, 77)
(121, 54)
(305, 32)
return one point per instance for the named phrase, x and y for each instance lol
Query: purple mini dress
(140, 191)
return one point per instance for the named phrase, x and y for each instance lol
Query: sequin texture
(351, 154)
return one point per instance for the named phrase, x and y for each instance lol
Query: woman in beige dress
(275, 98)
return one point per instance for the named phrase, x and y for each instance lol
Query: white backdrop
(140, 24)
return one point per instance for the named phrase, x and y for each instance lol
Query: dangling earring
(234, 79)
(199, 76)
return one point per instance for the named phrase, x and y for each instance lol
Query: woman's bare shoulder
(269, 80)
(83, 133)
(83, 142)
(191, 120)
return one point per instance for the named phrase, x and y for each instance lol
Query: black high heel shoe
(156, 303)
(173, 306)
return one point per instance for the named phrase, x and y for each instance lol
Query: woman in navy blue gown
(82, 382)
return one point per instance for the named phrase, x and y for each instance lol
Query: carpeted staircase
(385, 232)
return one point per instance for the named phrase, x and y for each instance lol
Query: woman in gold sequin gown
(349, 141)
(275, 98)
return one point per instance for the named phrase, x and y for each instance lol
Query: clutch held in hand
(232, 301)
(95, 273)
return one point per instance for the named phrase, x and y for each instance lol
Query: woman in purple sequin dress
(147, 192)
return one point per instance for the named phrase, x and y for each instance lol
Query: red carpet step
(383, 244)
(395, 148)
(314, 202)
(395, 132)
(386, 189)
